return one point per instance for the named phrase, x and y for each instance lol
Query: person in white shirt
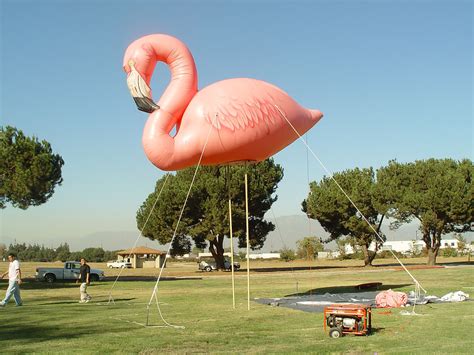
(14, 281)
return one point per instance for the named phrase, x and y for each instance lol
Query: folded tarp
(457, 296)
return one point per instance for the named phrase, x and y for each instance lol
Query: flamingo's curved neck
(183, 83)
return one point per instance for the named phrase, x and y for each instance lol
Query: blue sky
(394, 79)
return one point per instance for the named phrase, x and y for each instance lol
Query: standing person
(84, 278)
(14, 281)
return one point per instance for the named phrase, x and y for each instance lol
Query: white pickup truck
(70, 271)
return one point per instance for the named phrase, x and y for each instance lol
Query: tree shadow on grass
(74, 302)
(34, 333)
(346, 289)
(415, 265)
(374, 331)
(408, 265)
(151, 278)
(457, 263)
(31, 284)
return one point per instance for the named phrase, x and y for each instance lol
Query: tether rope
(307, 217)
(138, 237)
(155, 289)
(285, 247)
(331, 175)
(307, 178)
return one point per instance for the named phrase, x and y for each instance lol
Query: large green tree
(206, 218)
(337, 215)
(439, 193)
(29, 170)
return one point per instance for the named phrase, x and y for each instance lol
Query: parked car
(119, 264)
(207, 265)
(70, 271)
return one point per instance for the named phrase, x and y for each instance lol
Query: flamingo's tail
(316, 115)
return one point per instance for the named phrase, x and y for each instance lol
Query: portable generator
(348, 319)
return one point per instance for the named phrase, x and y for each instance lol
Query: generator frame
(359, 312)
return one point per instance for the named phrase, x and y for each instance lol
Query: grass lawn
(52, 320)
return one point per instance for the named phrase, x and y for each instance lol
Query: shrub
(357, 255)
(287, 254)
(385, 254)
(448, 252)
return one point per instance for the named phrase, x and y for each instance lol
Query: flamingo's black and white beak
(140, 91)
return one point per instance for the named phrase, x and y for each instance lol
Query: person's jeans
(84, 295)
(13, 290)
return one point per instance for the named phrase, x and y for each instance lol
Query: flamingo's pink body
(248, 116)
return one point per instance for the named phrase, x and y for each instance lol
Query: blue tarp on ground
(317, 302)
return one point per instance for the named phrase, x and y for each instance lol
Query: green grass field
(52, 320)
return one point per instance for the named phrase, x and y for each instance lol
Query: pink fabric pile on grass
(389, 299)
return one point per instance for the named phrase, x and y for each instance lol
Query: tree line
(309, 247)
(438, 193)
(351, 205)
(40, 253)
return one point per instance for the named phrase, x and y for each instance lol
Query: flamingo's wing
(240, 113)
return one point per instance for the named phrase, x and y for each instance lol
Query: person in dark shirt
(84, 279)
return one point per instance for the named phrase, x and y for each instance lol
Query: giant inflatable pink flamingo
(235, 120)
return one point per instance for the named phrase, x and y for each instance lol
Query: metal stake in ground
(248, 250)
(231, 252)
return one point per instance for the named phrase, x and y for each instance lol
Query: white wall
(403, 246)
(406, 246)
(209, 255)
(265, 256)
(251, 256)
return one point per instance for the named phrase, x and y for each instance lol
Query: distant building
(209, 255)
(143, 257)
(406, 246)
(330, 254)
(348, 249)
(251, 256)
(403, 246)
(449, 243)
(265, 256)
